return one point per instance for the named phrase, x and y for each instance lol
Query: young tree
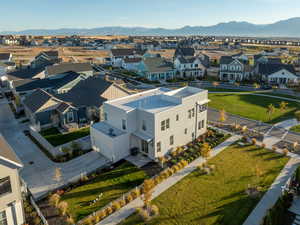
(147, 191)
(63, 206)
(205, 150)
(270, 110)
(222, 116)
(54, 199)
(57, 175)
(256, 85)
(215, 84)
(283, 106)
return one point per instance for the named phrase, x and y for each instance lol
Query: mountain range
(283, 28)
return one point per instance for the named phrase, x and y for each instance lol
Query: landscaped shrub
(129, 198)
(143, 214)
(285, 151)
(154, 210)
(254, 141)
(136, 193)
(115, 206)
(63, 206)
(274, 148)
(54, 199)
(109, 210)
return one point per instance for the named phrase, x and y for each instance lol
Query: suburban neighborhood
(146, 125)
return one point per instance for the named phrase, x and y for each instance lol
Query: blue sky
(51, 14)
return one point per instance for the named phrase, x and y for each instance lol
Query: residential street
(39, 174)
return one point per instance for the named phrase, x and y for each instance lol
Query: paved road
(39, 175)
(277, 132)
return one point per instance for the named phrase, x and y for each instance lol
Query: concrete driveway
(38, 170)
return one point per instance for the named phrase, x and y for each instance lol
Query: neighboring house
(73, 109)
(5, 57)
(11, 209)
(277, 73)
(232, 69)
(6, 67)
(44, 111)
(189, 67)
(240, 56)
(131, 63)
(156, 69)
(57, 69)
(45, 58)
(155, 121)
(184, 52)
(60, 84)
(118, 55)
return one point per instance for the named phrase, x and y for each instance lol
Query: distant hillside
(284, 28)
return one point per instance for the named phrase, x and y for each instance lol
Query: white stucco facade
(282, 77)
(156, 122)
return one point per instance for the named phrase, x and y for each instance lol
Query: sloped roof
(27, 85)
(37, 99)
(5, 56)
(87, 92)
(156, 64)
(24, 73)
(49, 54)
(8, 154)
(269, 68)
(185, 52)
(127, 51)
(230, 59)
(132, 60)
(65, 67)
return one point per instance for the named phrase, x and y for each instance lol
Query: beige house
(11, 209)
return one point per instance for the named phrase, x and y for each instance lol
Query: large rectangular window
(3, 219)
(167, 123)
(5, 186)
(163, 125)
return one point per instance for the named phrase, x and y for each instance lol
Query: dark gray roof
(62, 107)
(132, 60)
(230, 59)
(36, 100)
(4, 56)
(184, 52)
(87, 92)
(49, 54)
(24, 73)
(274, 61)
(127, 52)
(269, 68)
(7, 153)
(65, 67)
(28, 85)
(156, 64)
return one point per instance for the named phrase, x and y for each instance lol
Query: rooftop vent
(111, 132)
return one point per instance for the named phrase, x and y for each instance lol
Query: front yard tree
(205, 150)
(222, 116)
(270, 110)
(147, 191)
(283, 106)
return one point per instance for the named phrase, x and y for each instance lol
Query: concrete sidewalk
(129, 209)
(274, 192)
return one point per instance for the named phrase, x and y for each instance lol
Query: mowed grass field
(218, 198)
(110, 185)
(253, 107)
(296, 128)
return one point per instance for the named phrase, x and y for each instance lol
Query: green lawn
(223, 89)
(111, 184)
(296, 128)
(219, 198)
(280, 95)
(54, 137)
(253, 107)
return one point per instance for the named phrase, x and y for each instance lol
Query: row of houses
(186, 63)
(237, 68)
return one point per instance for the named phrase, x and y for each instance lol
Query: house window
(193, 112)
(196, 65)
(124, 124)
(70, 116)
(163, 125)
(3, 219)
(185, 131)
(199, 125)
(171, 140)
(5, 186)
(158, 146)
(193, 135)
(202, 123)
(167, 123)
(177, 117)
(144, 125)
(190, 114)
(105, 116)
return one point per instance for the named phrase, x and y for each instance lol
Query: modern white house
(11, 209)
(155, 122)
(189, 67)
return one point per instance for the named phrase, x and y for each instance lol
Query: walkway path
(274, 192)
(129, 209)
